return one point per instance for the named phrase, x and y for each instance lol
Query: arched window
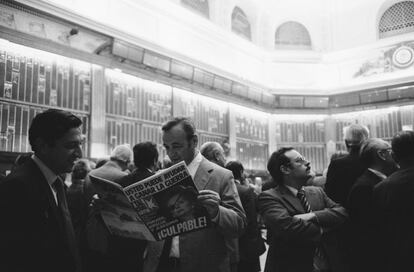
(201, 6)
(240, 24)
(292, 35)
(396, 20)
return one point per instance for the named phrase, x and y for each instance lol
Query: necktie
(302, 197)
(66, 221)
(320, 260)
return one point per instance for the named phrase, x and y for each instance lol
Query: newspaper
(160, 206)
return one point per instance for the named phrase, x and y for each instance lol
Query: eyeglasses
(386, 150)
(301, 160)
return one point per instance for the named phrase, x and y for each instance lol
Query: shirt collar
(194, 164)
(293, 190)
(378, 173)
(49, 174)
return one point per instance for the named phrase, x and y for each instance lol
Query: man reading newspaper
(202, 250)
(162, 205)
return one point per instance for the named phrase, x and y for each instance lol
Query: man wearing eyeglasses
(376, 155)
(298, 218)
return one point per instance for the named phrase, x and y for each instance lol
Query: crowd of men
(360, 220)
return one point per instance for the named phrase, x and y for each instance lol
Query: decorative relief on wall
(389, 59)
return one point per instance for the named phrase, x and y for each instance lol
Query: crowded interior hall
(206, 135)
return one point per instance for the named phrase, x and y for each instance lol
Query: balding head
(355, 135)
(213, 152)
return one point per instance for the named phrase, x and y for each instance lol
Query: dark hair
(403, 145)
(100, 162)
(236, 168)
(51, 125)
(145, 154)
(186, 124)
(276, 160)
(339, 154)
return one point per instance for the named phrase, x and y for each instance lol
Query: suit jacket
(362, 224)
(32, 236)
(205, 250)
(293, 241)
(250, 240)
(342, 174)
(393, 199)
(122, 254)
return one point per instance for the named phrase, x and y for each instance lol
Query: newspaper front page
(160, 206)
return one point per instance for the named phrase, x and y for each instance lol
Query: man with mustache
(298, 218)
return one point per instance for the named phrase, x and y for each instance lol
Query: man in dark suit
(343, 172)
(298, 218)
(126, 254)
(376, 154)
(251, 244)
(36, 232)
(393, 199)
(204, 250)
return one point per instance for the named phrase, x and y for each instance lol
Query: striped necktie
(320, 260)
(302, 197)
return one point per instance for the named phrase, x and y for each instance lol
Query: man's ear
(194, 140)
(381, 155)
(285, 169)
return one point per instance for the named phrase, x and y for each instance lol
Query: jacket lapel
(202, 175)
(47, 196)
(290, 199)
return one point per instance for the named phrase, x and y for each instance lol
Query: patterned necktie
(320, 260)
(302, 197)
(66, 220)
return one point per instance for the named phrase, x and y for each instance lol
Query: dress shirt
(49, 175)
(192, 169)
(378, 173)
(293, 190)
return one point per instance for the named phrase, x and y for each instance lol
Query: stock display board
(129, 96)
(45, 80)
(14, 126)
(300, 132)
(252, 126)
(253, 156)
(32, 81)
(209, 115)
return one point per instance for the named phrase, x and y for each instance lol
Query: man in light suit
(203, 250)
(36, 232)
(393, 199)
(298, 218)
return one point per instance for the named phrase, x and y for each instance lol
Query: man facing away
(343, 172)
(393, 202)
(36, 232)
(298, 218)
(203, 250)
(376, 155)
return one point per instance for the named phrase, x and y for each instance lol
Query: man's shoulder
(22, 177)
(313, 189)
(213, 168)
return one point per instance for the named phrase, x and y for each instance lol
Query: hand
(98, 203)
(306, 216)
(210, 200)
